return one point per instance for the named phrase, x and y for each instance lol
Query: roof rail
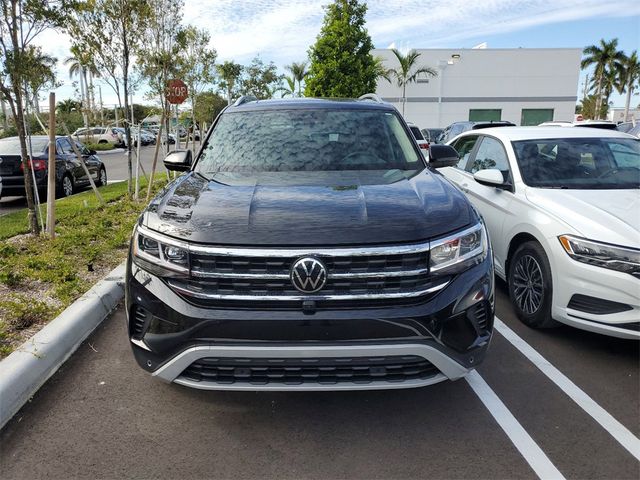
(244, 99)
(370, 96)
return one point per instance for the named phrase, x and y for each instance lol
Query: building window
(535, 116)
(485, 115)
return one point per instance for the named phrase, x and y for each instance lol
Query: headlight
(159, 253)
(613, 257)
(460, 251)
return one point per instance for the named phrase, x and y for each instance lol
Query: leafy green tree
(67, 106)
(22, 65)
(630, 76)
(112, 32)
(605, 57)
(407, 72)
(341, 60)
(298, 73)
(198, 62)
(207, 107)
(588, 108)
(229, 74)
(260, 80)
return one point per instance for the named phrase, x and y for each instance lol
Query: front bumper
(450, 332)
(573, 278)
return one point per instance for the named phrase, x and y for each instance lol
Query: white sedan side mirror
(489, 177)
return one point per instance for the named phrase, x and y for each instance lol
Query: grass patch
(40, 277)
(100, 147)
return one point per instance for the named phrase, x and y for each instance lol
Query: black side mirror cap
(92, 152)
(442, 156)
(178, 160)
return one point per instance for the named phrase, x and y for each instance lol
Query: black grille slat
(596, 306)
(299, 371)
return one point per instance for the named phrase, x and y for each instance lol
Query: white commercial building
(525, 86)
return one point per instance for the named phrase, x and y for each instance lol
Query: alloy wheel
(528, 285)
(67, 186)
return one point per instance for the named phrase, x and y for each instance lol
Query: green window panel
(535, 116)
(485, 115)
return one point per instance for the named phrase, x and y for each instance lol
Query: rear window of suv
(308, 140)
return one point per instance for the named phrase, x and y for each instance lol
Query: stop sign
(176, 91)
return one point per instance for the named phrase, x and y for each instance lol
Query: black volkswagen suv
(309, 246)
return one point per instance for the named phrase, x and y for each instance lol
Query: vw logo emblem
(308, 275)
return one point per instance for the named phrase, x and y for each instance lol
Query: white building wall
(506, 79)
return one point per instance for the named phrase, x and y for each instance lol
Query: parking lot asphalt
(101, 416)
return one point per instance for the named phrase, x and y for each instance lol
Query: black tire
(66, 187)
(102, 177)
(531, 286)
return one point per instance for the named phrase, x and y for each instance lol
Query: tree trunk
(596, 114)
(28, 180)
(228, 95)
(628, 102)
(404, 98)
(5, 122)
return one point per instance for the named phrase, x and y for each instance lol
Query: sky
(282, 30)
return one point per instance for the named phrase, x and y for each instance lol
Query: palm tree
(630, 74)
(81, 64)
(408, 72)
(290, 90)
(67, 106)
(298, 73)
(605, 57)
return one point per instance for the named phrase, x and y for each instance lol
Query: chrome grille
(364, 273)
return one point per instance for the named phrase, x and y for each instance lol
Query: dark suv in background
(457, 128)
(309, 246)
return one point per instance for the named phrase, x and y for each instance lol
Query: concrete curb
(24, 371)
(112, 151)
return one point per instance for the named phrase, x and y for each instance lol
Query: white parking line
(527, 447)
(618, 431)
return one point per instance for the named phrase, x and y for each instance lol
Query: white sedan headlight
(613, 257)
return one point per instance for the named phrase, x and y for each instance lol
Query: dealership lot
(102, 416)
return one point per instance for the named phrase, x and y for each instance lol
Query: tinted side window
(416, 133)
(64, 146)
(464, 146)
(491, 154)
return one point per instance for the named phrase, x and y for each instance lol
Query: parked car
(417, 134)
(561, 207)
(97, 135)
(431, 134)
(635, 131)
(625, 127)
(70, 175)
(604, 125)
(0, 187)
(457, 128)
(309, 247)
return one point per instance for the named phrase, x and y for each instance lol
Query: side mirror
(178, 160)
(442, 156)
(491, 177)
(92, 152)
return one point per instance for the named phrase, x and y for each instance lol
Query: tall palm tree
(605, 57)
(298, 73)
(81, 64)
(630, 74)
(407, 72)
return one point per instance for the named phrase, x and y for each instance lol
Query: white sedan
(562, 207)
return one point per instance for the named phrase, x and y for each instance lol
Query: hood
(611, 216)
(309, 208)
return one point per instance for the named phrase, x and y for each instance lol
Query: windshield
(580, 163)
(308, 140)
(11, 146)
